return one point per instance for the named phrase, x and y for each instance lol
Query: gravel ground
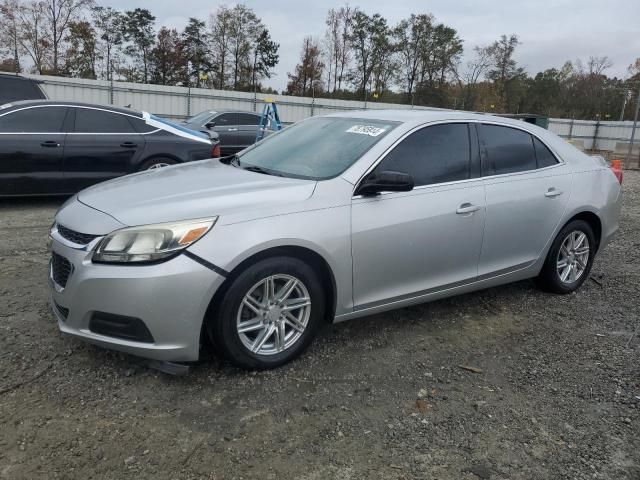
(557, 396)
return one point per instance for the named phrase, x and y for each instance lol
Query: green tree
(168, 61)
(195, 46)
(369, 40)
(265, 57)
(108, 25)
(82, 54)
(138, 30)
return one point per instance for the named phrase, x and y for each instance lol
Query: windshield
(199, 118)
(318, 148)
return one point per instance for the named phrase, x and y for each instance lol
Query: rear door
(527, 192)
(31, 145)
(102, 145)
(248, 124)
(226, 126)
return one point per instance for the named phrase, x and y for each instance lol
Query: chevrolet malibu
(333, 218)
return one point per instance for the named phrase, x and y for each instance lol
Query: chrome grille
(60, 269)
(75, 237)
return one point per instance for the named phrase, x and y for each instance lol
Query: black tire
(157, 161)
(549, 278)
(222, 327)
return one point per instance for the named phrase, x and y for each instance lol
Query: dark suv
(237, 130)
(14, 87)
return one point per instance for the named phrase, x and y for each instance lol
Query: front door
(406, 244)
(31, 144)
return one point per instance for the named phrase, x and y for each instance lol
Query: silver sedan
(333, 218)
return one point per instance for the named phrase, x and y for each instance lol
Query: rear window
(505, 150)
(13, 89)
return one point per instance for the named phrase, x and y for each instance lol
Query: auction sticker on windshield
(366, 130)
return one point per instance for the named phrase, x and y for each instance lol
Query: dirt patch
(556, 393)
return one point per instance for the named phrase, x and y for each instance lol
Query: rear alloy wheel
(569, 259)
(156, 163)
(269, 314)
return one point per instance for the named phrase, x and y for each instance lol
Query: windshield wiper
(231, 160)
(254, 168)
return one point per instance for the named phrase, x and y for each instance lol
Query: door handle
(552, 192)
(50, 144)
(128, 145)
(467, 208)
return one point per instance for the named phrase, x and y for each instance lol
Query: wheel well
(158, 157)
(313, 259)
(594, 222)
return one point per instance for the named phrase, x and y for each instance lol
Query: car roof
(33, 103)
(421, 115)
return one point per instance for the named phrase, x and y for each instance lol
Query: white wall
(180, 102)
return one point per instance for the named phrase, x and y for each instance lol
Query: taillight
(616, 168)
(215, 151)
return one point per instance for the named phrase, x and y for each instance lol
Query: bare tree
(337, 52)
(307, 77)
(59, 15)
(476, 68)
(9, 30)
(33, 37)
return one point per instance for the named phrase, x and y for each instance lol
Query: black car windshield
(318, 148)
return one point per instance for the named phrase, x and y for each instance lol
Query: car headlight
(150, 243)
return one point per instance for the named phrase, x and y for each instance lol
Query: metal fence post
(571, 127)
(188, 100)
(633, 132)
(595, 135)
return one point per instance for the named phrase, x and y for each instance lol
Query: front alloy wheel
(273, 314)
(268, 313)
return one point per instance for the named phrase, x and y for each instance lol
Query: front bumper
(170, 298)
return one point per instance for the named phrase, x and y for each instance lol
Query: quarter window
(436, 154)
(34, 120)
(505, 150)
(543, 154)
(89, 120)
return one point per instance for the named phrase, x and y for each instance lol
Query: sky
(551, 31)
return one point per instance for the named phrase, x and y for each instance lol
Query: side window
(543, 154)
(89, 120)
(226, 119)
(34, 120)
(248, 119)
(435, 154)
(505, 150)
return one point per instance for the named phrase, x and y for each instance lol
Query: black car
(237, 130)
(49, 147)
(15, 87)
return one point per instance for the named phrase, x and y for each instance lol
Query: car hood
(196, 190)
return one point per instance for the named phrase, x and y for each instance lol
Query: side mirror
(386, 181)
(210, 124)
